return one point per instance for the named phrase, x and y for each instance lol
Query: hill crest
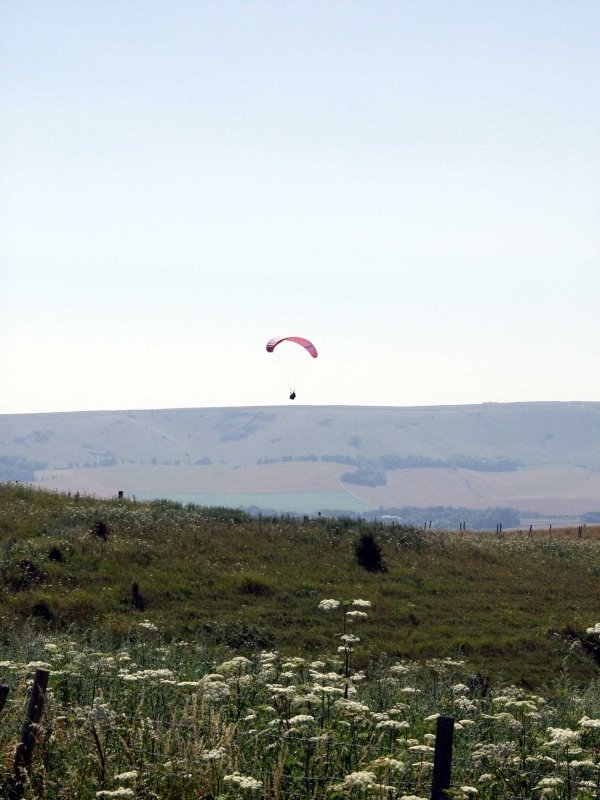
(541, 456)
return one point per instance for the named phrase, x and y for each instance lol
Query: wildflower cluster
(179, 720)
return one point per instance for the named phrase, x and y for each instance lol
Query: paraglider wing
(309, 346)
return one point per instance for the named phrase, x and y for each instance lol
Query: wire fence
(328, 761)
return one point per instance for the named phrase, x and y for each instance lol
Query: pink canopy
(272, 344)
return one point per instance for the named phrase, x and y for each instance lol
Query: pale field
(555, 490)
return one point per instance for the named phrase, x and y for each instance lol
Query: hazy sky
(413, 185)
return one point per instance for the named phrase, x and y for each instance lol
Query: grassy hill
(541, 457)
(511, 604)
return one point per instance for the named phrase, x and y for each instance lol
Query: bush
(368, 554)
(250, 584)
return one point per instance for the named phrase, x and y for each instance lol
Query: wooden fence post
(442, 759)
(34, 714)
(3, 695)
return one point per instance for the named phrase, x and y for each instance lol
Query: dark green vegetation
(512, 604)
(19, 468)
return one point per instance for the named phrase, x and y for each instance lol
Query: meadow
(257, 658)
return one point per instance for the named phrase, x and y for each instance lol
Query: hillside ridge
(538, 456)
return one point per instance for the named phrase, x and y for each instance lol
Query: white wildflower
(361, 603)
(421, 766)
(356, 780)
(562, 736)
(126, 776)
(377, 716)
(586, 722)
(243, 781)
(549, 782)
(587, 763)
(217, 754)
(400, 669)
(463, 703)
(356, 615)
(147, 625)
(329, 605)
(293, 663)
(460, 688)
(237, 664)
(352, 707)
(594, 631)
(301, 719)
(214, 690)
(392, 725)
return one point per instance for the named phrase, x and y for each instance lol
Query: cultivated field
(541, 457)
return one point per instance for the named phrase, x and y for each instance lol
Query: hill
(511, 604)
(534, 457)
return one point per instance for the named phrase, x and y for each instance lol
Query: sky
(412, 185)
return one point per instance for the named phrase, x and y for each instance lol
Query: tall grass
(154, 717)
(511, 604)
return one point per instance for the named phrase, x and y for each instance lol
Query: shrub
(249, 584)
(368, 554)
(100, 530)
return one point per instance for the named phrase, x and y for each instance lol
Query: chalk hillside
(540, 457)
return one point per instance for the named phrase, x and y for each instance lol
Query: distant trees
(368, 475)
(19, 468)
(371, 471)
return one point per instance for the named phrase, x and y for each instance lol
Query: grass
(280, 502)
(150, 717)
(267, 664)
(504, 602)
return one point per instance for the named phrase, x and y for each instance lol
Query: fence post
(34, 714)
(442, 759)
(3, 695)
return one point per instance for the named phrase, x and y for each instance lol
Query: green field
(191, 655)
(511, 604)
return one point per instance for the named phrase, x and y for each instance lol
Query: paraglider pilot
(292, 395)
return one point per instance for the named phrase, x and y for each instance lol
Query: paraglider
(272, 344)
(305, 343)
